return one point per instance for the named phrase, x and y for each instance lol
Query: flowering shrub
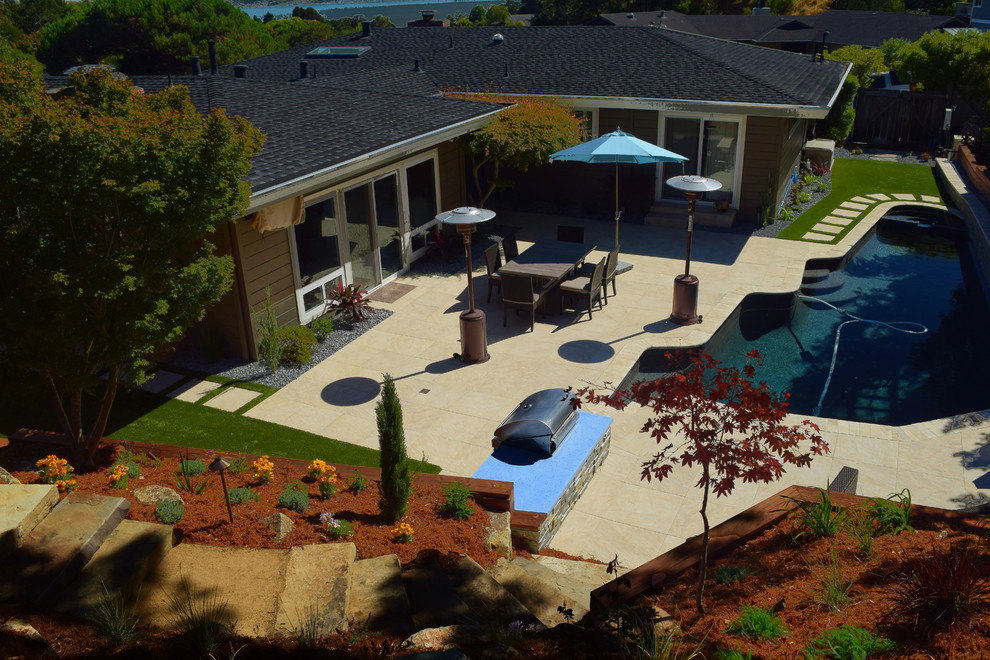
(264, 469)
(337, 528)
(403, 533)
(118, 476)
(318, 468)
(325, 476)
(57, 471)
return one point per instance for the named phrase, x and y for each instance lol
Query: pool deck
(451, 409)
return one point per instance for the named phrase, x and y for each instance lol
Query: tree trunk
(56, 401)
(483, 194)
(491, 186)
(102, 414)
(705, 538)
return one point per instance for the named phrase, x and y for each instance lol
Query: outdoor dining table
(549, 262)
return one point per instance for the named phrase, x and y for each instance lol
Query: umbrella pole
(616, 203)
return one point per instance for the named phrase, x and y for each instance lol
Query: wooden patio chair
(612, 261)
(587, 287)
(510, 248)
(493, 262)
(518, 293)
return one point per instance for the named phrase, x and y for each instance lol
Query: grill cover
(539, 424)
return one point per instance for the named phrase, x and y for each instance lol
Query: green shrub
(133, 469)
(294, 497)
(893, 514)
(242, 495)
(327, 488)
(393, 488)
(192, 468)
(321, 327)
(455, 501)
(820, 519)
(804, 197)
(297, 343)
(786, 214)
(337, 528)
(757, 623)
(169, 512)
(238, 466)
(357, 482)
(847, 643)
(727, 574)
(269, 346)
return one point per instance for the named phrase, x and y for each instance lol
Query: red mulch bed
(793, 572)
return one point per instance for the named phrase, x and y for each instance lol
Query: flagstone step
(584, 575)
(433, 600)
(131, 552)
(241, 586)
(59, 546)
(22, 507)
(541, 590)
(488, 599)
(316, 589)
(378, 598)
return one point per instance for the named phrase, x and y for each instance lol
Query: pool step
(834, 281)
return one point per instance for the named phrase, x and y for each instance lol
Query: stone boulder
(498, 534)
(279, 523)
(7, 477)
(446, 637)
(154, 494)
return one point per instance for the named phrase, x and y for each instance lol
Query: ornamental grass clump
(337, 528)
(892, 515)
(294, 497)
(819, 519)
(757, 623)
(58, 472)
(264, 470)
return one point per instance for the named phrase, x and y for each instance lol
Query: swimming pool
(895, 332)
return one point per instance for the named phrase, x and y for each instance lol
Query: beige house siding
(453, 180)
(644, 124)
(266, 262)
(771, 152)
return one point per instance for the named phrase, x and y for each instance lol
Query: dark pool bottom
(896, 332)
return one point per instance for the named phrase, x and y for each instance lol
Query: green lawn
(158, 419)
(852, 177)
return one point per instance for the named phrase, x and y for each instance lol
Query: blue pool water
(920, 352)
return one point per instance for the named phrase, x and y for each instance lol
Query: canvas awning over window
(279, 216)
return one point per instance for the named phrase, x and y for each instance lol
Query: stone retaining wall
(964, 195)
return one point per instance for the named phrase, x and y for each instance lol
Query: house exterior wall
(641, 123)
(772, 153)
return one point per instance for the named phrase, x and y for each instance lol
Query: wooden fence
(899, 119)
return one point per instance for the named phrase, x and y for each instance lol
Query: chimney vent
(213, 58)
(197, 70)
(416, 67)
(303, 69)
(506, 73)
(240, 71)
(497, 38)
(365, 29)
(428, 14)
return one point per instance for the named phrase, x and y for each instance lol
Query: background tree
(524, 135)
(840, 119)
(107, 198)
(393, 487)
(724, 422)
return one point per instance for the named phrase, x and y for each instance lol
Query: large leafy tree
(723, 421)
(107, 198)
(519, 137)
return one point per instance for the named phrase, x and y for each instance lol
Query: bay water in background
(400, 12)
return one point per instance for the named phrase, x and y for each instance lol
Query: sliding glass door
(372, 212)
(711, 147)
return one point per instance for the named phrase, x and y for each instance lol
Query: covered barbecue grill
(539, 424)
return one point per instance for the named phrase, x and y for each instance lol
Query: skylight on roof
(337, 51)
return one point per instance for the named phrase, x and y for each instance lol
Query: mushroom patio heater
(685, 310)
(474, 334)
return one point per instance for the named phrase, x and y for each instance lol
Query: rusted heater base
(474, 338)
(685, 300)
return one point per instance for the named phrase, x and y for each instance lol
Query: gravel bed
(257, 372)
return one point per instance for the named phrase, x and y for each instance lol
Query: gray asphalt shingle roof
(583, 61)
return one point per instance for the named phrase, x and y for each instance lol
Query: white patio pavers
(451, 410)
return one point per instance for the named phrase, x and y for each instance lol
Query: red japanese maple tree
(723, 420)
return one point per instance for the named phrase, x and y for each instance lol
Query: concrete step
(489, 600)
(22, 507)
(59, 546)
(239, 586)
(586, 576)
(378, 598)
(317, 587)
(131, 552)
(433, 600)
(541, 590)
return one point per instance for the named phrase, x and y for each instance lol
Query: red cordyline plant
(722, 420)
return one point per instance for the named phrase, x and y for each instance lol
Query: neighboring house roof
(845, 27)
(642, 64)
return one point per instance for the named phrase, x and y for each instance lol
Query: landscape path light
(220, 464)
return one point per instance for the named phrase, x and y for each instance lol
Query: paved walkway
(451, 409)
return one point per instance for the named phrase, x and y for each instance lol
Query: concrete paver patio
(452, 409)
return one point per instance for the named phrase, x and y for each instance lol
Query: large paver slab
(59, 546)
(487, 598)
(863, 200)
(244, 584)
(22, 507)
(825, 228)
(835, 220)
(931, 199)
(317, 581)
(231, 399)
(817, 236)
(194, 390)
(129, 554)
(879, 196)
(542, 590)
(855, 206)
(904, 197)
(845, 213)
(378, 598)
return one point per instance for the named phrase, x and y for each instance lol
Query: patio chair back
(609, 275)
(518, 293)
(510, 248)
(587, 287)
(493, 262)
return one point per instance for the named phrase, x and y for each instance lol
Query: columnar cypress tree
(393, 488)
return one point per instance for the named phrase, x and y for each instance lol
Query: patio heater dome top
(693, 183)
(465, 215)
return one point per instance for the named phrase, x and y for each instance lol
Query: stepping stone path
(90, 549)
(853, 210)
(232, 399)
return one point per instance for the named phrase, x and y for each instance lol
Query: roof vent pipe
(451, 43)
(506, 74)
(823, 44)
(240, 71)
(365, 29)
(197, 70)
(497, 38)
(213, 57)
(303, 69)
(416, 67)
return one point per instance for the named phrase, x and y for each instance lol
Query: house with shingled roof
(362, 148)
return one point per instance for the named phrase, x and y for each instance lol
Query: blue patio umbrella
(617, 147)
